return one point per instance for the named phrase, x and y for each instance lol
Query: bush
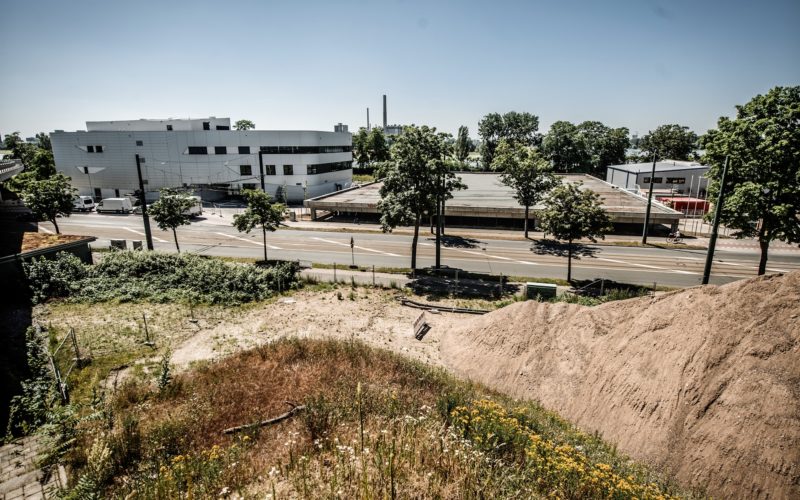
(158, 277)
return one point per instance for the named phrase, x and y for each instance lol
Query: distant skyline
(309, 65)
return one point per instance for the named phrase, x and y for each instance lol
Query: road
(645, 266)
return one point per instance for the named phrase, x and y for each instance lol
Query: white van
(83, 204)
(196, 208)
(116, 205)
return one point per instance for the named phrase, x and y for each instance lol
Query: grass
(375, 425)
(363, 178)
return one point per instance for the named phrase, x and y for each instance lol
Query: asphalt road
(668, 267)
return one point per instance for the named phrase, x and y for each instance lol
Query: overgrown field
(375, 425)
(156, 277)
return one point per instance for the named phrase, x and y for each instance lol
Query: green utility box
(543, 290)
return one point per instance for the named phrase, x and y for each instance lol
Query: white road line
(142, 234)
(356, 246)
(729, 263)
(645, 266)
(271, 247)
(496, 257)
(42, 228)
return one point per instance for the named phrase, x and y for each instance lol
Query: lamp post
(649, 201)
(143, 200)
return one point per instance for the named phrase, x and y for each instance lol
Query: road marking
(645, 265)
(356, 246)
(42, 228)
(271, 247)
(729, 263)
(142, 234)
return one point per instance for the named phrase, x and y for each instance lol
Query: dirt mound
(704, 383)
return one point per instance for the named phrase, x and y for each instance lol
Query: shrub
(57, 277)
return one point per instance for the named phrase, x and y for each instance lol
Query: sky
(307, 65)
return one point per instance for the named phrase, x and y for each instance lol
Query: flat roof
(661, 166)
(486, 196)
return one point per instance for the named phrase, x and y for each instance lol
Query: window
(169, 127)
(656, 180)
(116, 193)
(97, 193)
(140, 143)
(206, 125)
(676, 180)
(269, 169)
(98, 149)
(248, 186)
(288, 170)
(244, 150)
(223, 127)
(245, 170)
(322, 168)
(220, 150)
(198, 150)
(275, 150)
(90, 149)
(141, 159)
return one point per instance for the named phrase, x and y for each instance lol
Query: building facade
(672, 177)
(204, 155)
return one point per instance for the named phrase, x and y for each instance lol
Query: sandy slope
(704, 382)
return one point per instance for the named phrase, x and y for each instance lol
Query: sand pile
(704, 383)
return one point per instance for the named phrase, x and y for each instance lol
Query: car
(83, 204)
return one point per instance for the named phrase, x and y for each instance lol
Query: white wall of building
(168, 163)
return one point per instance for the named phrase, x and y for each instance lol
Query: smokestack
(368, 128)
(384, 111)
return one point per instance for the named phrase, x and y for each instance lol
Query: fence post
(147, 342)
(78, 359)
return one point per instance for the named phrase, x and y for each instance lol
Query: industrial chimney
(384, 111)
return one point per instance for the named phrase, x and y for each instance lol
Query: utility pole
(143, 200)
(439, 225)
(649, 201)
(261, 169)
(712, 242)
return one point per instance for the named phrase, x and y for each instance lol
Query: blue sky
(309, 65)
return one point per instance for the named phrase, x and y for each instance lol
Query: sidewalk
(20, 477)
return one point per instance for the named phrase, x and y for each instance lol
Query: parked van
(83, 204)
(196, 208)
(116, 205)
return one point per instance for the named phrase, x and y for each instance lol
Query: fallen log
(280, 418)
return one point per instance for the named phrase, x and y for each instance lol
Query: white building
(672, 176)
(204, 154)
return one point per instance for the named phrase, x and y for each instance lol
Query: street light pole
(143, 200)
(712, 242)
(649, 201)
(261, 169)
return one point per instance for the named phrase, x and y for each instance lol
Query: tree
(49, 198)
(572, 213)
(260, 212)
(43, 141)
(565, 147)
(675, 142)
(526, 172)
(514, 127)
(170, 211)
(361, 147)
(412, 179)
(244, 125)
(762, 184)
(604, 145)
(377, 148)
(462, 144)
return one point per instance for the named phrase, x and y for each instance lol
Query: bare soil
(704, 382)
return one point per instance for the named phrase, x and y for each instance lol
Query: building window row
(322, 168)
(656, 180)
(676, 180)
(94, 149)
(293, 150)
(245, 150)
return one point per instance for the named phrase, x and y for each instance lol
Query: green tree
(762, 184)
(244, 125)
(43, 141)
(260, 212)
(361, 147)
(49, 198)
(170, 211)
(572, 213)
(513, 126)
(377, 148)
(604, 146)
(565, 147)
(675, 142)
(526, 172)
(462, 144)
(413, 180)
